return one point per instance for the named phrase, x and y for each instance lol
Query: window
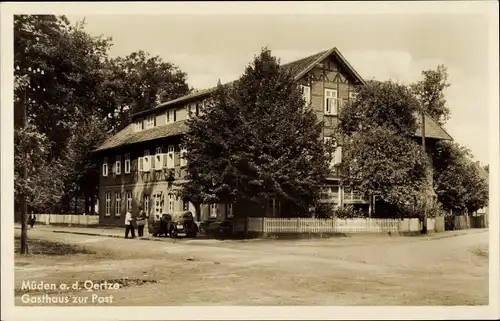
(129, 201)
(118, 203)
(306, 94)
(158, 202)
(200, 105)
(108, 203)
(213, 210)
(183, 156)
(170, 203)
(331, 104)
(150, 121)
(230, 210)
(146, 165)
(127, 163)
(105, 167)
(170, 156)
(331, 140)
(170, 116)
(146, 204)
(192, 110)
(118, 166)
(138, 125)
(158, 158)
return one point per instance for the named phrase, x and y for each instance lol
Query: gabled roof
(297, 68)
(432, 128)
(127, 136)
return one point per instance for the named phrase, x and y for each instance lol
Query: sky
(379, 46)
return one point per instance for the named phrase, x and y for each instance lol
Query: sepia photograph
(249, 155)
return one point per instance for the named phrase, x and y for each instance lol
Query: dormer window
(192, 110)
(138, 125)
(170, 116)
(150, 121)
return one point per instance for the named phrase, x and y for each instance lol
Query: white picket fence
(316, 225)
(67, 219)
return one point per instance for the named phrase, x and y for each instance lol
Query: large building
(141, 164)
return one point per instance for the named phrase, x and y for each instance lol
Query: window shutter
(141, 164)
(338, 155)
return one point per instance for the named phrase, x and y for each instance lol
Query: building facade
(142, 163)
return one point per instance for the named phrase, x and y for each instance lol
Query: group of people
(131, 222)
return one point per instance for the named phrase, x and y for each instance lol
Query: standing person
(32, 219)
(141, 222)
(128, 225)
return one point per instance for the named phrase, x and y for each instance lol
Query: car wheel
(155, 234)
(173, 234)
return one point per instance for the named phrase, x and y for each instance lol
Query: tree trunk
(92, 204)
(86, 204)
(76, 204)
(24, 203)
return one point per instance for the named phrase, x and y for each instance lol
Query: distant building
(140, 164)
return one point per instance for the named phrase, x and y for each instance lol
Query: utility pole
(424, 223)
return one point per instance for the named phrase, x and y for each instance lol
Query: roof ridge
(205, 91)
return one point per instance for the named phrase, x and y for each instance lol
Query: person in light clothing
(128, 225)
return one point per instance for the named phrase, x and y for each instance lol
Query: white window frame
(306, 94)
(118, 165)
(126, 164)
(170, 156)
(146, 161)
(183, 160)
(158, 158)
(170, 203)
(118, 203)
(331, 102)
(170, 115)
(213, 210)
(105, 167)
(145, 198)
(150, 121)
(107, 197)
(192, 110)
(138, 125)
(129, 201)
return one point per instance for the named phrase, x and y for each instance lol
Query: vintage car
(160, 227)
(182, 223)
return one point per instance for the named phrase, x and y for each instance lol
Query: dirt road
(439, 270)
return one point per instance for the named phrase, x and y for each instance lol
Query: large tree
(430, 93)
(382, 162)
(457, 181)
(256, 141)
(136, 83)
(381, 156)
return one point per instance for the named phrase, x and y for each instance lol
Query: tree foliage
(430, 93)
(380, 104)
(457, 180)
(255, 141)
(380, 155)
(75, 96)
(382, 162)
(136, 83)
